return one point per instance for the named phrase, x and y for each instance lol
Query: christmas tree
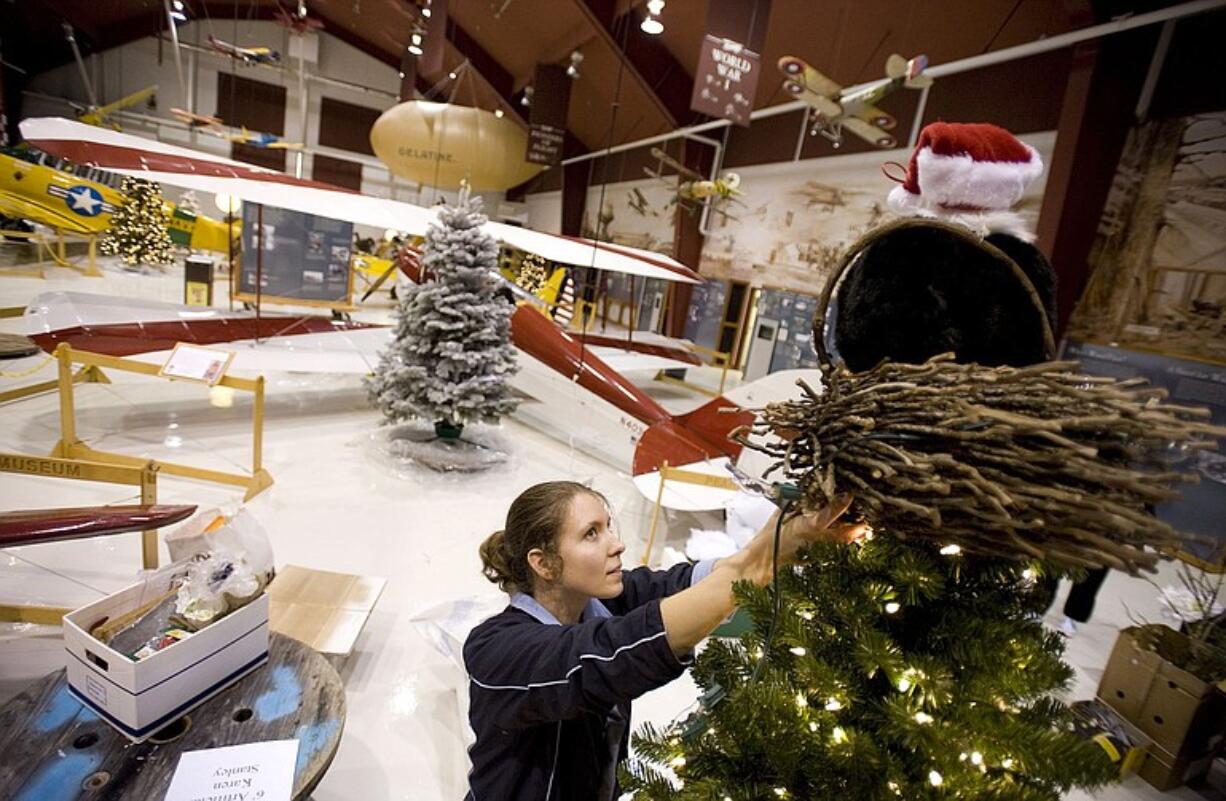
(451, 356)
(895, 671)
(138, 231)
(532, 274)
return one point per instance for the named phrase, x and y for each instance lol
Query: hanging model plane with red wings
(835, 109)
(575, 385)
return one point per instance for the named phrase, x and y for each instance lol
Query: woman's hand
(693, 613)
(798, 531)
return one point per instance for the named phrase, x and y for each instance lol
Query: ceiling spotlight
(401, 74)
(526, 100)
(576, 58)
(651, 23)
(498, 113)
(451, 75)
(425, 12)
(414, 49)
(415, 38)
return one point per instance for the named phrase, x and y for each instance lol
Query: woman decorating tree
(551, 677)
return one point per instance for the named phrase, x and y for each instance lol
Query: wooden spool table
(56, 749)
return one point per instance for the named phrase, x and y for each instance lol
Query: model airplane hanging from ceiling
(692, 190)
(264, 140)
(834, 109)
(249, 55)
(193, 120)
(100, 115)
(298, 23)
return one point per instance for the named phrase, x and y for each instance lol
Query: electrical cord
(777, 602)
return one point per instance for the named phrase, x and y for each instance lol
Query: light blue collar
(594, 610)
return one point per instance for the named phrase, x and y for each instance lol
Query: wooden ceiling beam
(671, 82)
(600, 14)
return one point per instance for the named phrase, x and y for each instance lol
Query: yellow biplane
(63, 200)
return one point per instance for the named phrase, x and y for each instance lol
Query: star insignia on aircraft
(84, 200)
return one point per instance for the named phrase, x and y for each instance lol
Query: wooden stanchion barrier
(71, 447)
(142, 474)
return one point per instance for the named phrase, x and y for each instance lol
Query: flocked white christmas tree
(138, 230)
(451, 357)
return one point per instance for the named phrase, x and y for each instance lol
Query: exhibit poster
(296, 256)
(1202, 505)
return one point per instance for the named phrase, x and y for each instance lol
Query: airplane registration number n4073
(635, 427)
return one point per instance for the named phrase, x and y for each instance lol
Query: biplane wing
(874, 116)
(869, 132)
(811, 86)
(205, 172)
(669, 161)
(195, 120)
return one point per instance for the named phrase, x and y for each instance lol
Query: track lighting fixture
(651, 23)
(576, 58)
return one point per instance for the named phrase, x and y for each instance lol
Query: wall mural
(787, 229)
(1158, 264)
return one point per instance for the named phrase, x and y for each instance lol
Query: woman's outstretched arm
(693, 613)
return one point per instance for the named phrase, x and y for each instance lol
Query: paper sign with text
(252, 772)
(194, 363)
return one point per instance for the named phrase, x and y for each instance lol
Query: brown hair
(534, 520)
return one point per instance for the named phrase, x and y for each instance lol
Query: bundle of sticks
(1028, 463)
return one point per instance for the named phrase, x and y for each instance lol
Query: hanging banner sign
(547, 115)
(726, 81)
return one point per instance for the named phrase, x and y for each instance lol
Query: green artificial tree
(138, 232)
(897, 670)
(451, 358)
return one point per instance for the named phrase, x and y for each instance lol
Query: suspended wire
(1000, 30)
(604, 174)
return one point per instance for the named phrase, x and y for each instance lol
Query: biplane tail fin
(697, 436)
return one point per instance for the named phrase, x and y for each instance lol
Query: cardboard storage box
(1124, 743)
(138, 698)
(1166, 772)
(1182, 714)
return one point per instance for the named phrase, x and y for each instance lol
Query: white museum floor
(338, 504)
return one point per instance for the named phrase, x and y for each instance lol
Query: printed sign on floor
(252, 772)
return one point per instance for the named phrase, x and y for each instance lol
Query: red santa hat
(960, 168)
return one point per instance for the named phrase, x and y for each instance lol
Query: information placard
(295, 256)
(254, 772)
(194, 363)
(1202, 507)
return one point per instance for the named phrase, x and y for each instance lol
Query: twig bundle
(1036, 462)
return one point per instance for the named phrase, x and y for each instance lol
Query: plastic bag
(233, 530)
